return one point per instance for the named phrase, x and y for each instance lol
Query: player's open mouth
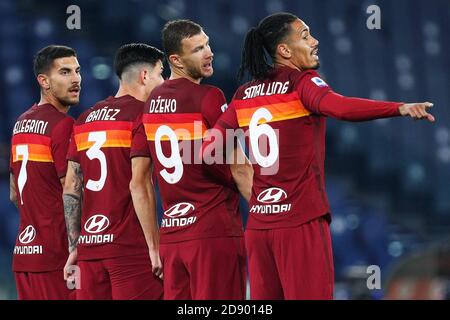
(207, 65)
(315, 53)
(74, 90)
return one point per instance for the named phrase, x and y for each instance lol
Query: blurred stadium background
(388, 181)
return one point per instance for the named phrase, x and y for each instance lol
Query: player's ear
(144, 76)
(284, 51)
(43, 81)
(175, 60)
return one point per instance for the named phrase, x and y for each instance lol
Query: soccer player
(201, 234)
(40, 140)
(285, 105)
(112, 250)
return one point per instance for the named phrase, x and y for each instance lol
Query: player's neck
(49, 99)
(178, 74)
(286, 63)
(132, 91)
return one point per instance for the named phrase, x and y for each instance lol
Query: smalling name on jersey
(263, 90)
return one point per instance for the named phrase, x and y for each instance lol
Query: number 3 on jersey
(174, 161)
(94, 152)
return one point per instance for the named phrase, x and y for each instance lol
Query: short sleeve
(311, 89)
(60, 141)
(72, 153)
(213, 105)
(228, 120)
(139, 144)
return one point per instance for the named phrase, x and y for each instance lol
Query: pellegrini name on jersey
(30, 126)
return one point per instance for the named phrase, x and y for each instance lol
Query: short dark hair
(262, 41)
(135, 53)
(175, 31)
(44, 58)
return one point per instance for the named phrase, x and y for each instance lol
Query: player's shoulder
(124, 108)
(295, 74)
(84, 115)
(211, 88)
(211, 91)
(67, 119)
(127, 104)
(98, 105)
(50, 113)
(59, 122)
(311, 75)
(308, 76)
(160, 88)
(62, 124)
(44, 119)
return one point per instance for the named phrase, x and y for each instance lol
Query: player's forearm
(72, 198)
(12, 190)
(357, 109)
(243, 177)
(242, 172)
(214, 155)
(72, 215)
(145, 207)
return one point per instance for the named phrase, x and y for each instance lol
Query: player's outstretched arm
(358, 109)
(72, 195)
(242, 171)
(417, 111)
(12, 189)
(144, 201)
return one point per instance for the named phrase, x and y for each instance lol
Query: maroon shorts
(291, 263)
(204, 269)
(119, 278)
(42, 286)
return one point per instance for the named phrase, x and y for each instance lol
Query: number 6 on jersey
(256, 131)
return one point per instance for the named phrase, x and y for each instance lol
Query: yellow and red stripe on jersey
(118, 134)
(281, 106)
(187, 126)
(38, 147)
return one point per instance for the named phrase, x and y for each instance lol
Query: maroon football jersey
(286, 125)
(38, 160)
(196, 205)
(101, 143)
